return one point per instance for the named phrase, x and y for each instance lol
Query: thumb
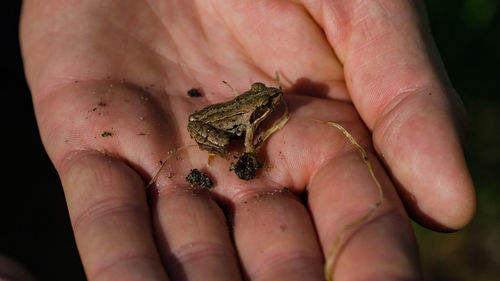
(398, 85)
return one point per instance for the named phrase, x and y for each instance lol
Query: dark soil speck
(246, 166)
(194, 93)
(197, 178)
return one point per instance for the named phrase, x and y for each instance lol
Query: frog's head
(258, 87)
(275, 96)
(266, 96)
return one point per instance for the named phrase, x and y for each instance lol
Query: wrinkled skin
(368, 65)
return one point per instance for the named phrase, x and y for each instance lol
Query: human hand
(124, 68)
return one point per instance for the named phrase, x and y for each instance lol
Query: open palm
(109, 82)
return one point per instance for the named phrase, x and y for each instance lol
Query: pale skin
(372, 67)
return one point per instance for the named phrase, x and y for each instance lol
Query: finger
(193, 236)
(110, 218)
(275, 236)
(381, 248)
(398, 85)
(294, 44)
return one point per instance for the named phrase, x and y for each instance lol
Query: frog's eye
(257, 87)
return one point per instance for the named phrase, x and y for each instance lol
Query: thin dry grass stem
(170, 154)
(332, 255)
(231, 87)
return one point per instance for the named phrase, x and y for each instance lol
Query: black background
(34, 224)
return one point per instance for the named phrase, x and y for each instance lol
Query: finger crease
(105, 208)
(124, 260)
(278, 262)
(196, 251)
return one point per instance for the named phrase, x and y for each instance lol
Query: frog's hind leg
(212, 152)
(276, 126)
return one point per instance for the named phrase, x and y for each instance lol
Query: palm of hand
(127, 72)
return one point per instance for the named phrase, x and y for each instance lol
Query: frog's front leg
(250, 131)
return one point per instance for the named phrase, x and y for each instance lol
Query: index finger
(110, 218)
(398, 85)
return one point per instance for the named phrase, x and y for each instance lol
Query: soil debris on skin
(194, 93)
(197, 178)
(246, 166)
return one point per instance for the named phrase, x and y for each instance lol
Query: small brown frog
(215, 126)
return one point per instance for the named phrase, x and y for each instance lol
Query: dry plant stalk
(332, 255)
(170, 154)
